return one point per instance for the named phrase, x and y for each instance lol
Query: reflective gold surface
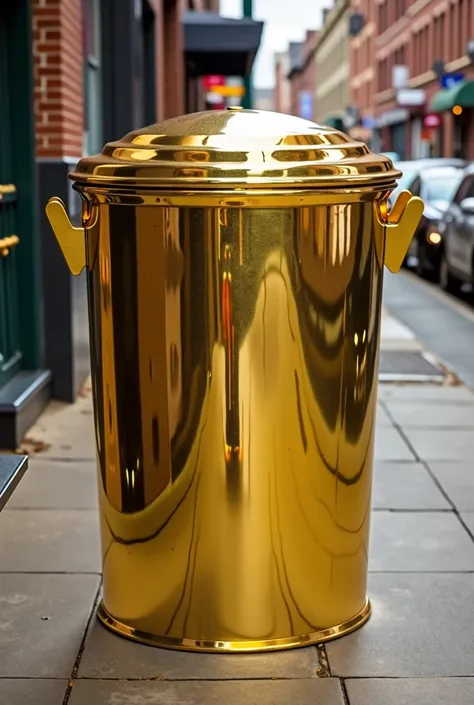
(235, 368)
(245, 148)
(235, 319)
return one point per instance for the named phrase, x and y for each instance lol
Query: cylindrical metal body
(234, 362)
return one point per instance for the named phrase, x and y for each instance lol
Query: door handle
(7, 243)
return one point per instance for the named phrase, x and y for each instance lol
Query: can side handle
(400, 226)
(72, 240)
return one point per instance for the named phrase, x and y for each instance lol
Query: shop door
(10, 354)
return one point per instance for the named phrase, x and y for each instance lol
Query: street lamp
(247, 99)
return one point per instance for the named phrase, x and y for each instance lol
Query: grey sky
(285, 21)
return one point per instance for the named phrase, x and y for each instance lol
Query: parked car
(436, 186)
(411, 169)
(393, 156)
(456, 230)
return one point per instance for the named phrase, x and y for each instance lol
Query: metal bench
(12, 469)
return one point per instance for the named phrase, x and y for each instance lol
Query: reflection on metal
(7, 188)
(7, 243)
(235, 345)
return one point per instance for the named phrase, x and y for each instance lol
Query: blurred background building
(394, 73)
(302, 75)
(332, 66)
(282, 91)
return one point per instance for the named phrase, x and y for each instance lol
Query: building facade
(80, 73)
(362, 72)
(282, 96)
(423, 68)
(302, 76)
(332, 66)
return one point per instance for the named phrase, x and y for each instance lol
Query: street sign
(228, 91)
(432, 121)
(411, 97)
(448, 80)
(368, 122)
(209, 81)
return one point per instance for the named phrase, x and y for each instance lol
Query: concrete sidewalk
(418, 646)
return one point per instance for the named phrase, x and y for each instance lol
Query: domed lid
(236, 148)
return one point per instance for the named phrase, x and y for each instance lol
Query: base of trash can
(184, 644)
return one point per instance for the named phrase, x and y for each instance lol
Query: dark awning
(215, 44)
(461, 93)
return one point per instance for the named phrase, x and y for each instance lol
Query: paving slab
(442, 444)
(426, 393)
(42, 623)
(419, 541)
(457, 480)
(422, 625)
(405, 691)
(19, 691)
(52, 484)
(413, 414)
(107, 655)
(64, 432)
(389, 445)
(407, 486)
(49, 540)
(383, 418)
(323, 691)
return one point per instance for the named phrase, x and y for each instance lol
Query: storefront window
(92, 77)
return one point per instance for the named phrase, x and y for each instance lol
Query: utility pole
(247, 100)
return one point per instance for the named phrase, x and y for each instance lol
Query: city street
(418, 645)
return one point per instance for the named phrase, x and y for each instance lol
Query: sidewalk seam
(75, 667)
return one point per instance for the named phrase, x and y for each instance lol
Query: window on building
(468, 22)
(383, 16)
(436, 35)
(442, 31)
(461, 38)
(452, 34)
(92, 77)
(426, 66)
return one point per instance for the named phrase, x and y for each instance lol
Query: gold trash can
(234, 264)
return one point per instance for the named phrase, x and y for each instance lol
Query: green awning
(335, 122)
(461, 93)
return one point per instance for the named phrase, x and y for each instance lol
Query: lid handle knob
(400, 227)
(72, 241)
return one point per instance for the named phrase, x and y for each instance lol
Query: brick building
(302, 76)
(77, 74)
(429, 38)
(362, 69)
(282, 96)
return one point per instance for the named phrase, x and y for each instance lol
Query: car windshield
(442, 187)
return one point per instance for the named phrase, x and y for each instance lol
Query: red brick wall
(58, 70)
(419, 37)
(362, 58)
(305, 78)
